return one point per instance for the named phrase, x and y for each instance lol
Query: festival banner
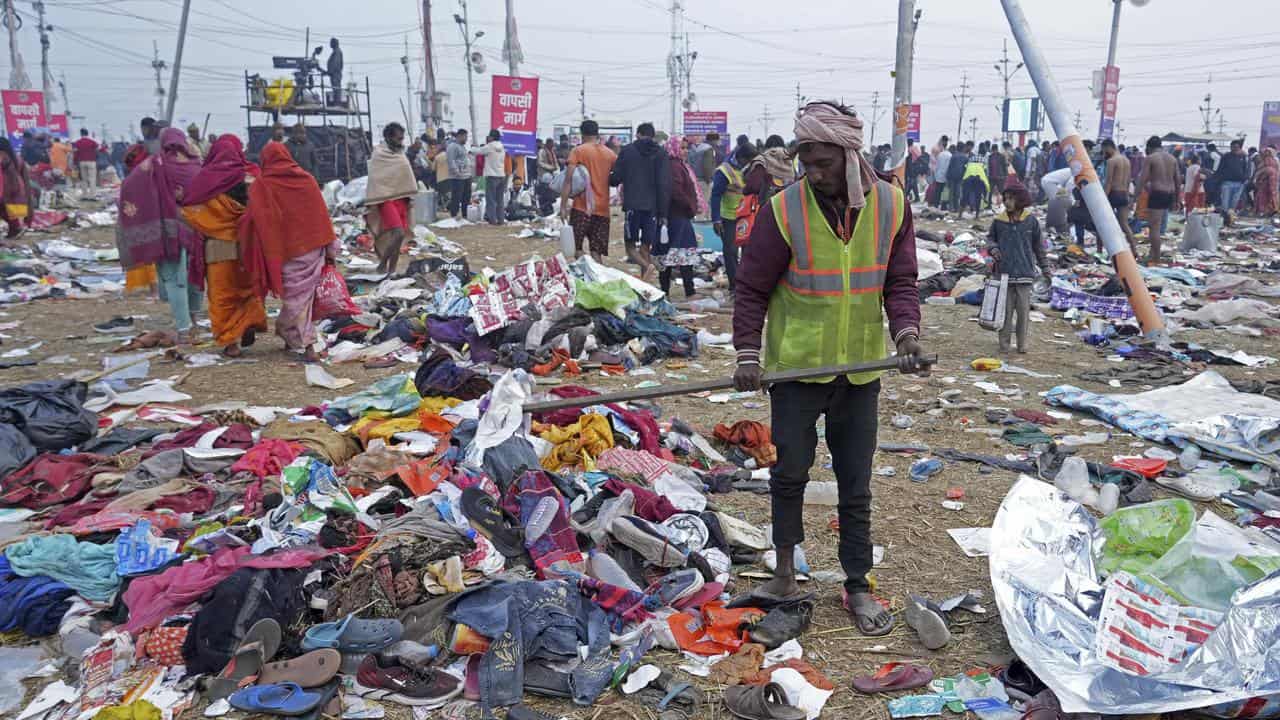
(913, 123)
(514, 112)
(1110, 91)
(697, 124)
(23, 110)
(1270, 125)
(59, 127)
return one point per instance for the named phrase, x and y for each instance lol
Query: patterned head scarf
(827, 122)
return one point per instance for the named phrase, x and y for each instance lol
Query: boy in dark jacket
(1016, 247)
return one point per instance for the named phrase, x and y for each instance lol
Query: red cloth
(394, 214)
(224, 168)
(286, 218)
(268, 458)
(86, 150)
(649, 505)
(753, 437)
(50, 479)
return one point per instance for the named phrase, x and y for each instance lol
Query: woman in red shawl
(150, 229)
(16, 194)
(286, 238)
(236, 312)
(1265, 179)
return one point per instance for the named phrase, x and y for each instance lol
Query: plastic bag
(1137, 536)
(995, 295)
(613, 296)
(15, 450)
(332, 297)
(353, 193)
(50, 413)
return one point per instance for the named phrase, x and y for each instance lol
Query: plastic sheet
(1047, 588)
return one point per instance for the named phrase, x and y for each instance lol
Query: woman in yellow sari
(213, 207)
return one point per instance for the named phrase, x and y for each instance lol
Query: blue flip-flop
(353, 635)
(287, 699)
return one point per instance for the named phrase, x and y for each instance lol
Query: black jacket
(644, 172)
(1233, 168)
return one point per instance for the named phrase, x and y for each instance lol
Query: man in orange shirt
(59, 156)
(589, 213)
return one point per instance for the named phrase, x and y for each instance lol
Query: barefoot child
(1015, 245)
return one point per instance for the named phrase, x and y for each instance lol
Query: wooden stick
(717, 384)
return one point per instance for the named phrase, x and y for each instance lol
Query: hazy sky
(751, 55)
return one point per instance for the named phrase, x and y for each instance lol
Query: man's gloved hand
(748, 377)
(909, 354)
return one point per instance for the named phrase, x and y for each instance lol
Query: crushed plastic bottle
(1189, 458)
(1108, 498)
(821, 492)
(607, 570)
(925, 468)
(1073, 479)
(989, 701)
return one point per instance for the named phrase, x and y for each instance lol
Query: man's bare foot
(870, 616)
(310, 356)
(249, 337)
(233, 350)
(779, 587)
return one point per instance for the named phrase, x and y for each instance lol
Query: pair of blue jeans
(177, 290)
(1230, 194)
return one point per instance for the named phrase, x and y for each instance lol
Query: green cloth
(87, 568)
(395, 395)
(613, 296)
(1026, 434)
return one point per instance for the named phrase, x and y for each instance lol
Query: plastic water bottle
(605, 569)
(821, 493)
(540, 519)
(1108, 498)
(1189, 458)
(1073, 478)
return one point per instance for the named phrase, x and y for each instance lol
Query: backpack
(745, 219)
(581, 181)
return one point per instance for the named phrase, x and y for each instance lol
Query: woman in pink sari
(151, 231)
(1265, 193)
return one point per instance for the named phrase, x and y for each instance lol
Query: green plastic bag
(612, 296)
(1137, 536)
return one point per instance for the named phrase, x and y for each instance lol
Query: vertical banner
(913, 123)
(698, 124)
(1270, 125)
(23, 110)
(59, 127)
(1110, 89)
(513, 111)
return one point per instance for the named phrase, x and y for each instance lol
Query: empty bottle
(1073, 478)
(540, 519)
(605, 569)
(1108, 498)
(821, 492)
(1189, 458)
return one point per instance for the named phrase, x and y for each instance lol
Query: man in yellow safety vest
(825, 255)
(726, 196)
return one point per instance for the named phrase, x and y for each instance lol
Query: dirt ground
(908, 518)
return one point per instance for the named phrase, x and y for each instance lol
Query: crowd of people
(1143, 184)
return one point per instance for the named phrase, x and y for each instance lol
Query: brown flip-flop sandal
(893, 677)
(310, 670)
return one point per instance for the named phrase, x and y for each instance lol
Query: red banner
(58, 126)
(23, 110)
(1110, 91)
(513, 111)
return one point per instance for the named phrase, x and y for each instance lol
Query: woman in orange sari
(286, 239)
(236, 311)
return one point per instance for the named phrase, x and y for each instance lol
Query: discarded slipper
(310, 670)
(758, 598)
(258, 645)
(1017, 676)
(761, 702)
(665, 691)
(928, 623)
(1194, 487)
(892, 677)
(353, 635)
(491, 521)
(782, 623)
(284, 699)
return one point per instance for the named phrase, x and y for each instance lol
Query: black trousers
(460, 197)
(851, 436)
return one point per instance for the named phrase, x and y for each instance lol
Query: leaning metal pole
(1086, 178)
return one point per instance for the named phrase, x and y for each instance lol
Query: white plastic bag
(994, 297)
(568, 244)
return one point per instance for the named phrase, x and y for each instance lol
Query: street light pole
(1086, 178)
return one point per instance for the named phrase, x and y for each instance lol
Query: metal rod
(717, 384)
(177, 63)
(1086, 178)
